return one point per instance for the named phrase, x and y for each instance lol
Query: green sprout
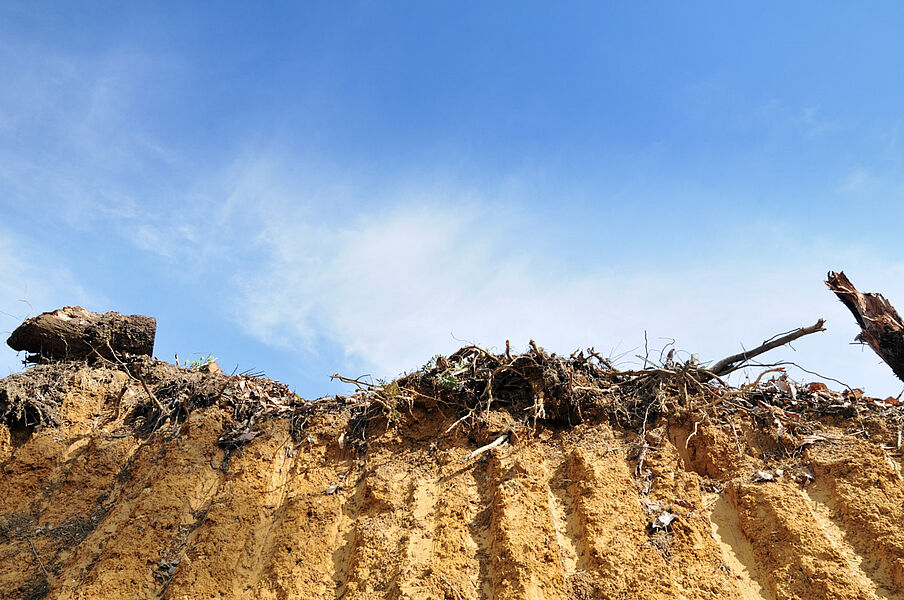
(196, 365)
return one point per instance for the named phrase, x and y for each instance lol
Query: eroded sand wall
(90, 510)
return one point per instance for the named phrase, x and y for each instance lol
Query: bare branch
(736, 361)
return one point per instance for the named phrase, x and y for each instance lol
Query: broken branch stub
(75, 333)
(881, 327)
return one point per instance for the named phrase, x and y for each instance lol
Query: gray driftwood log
(881, 327)
(75, 333)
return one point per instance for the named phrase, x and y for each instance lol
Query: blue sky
(305, 188)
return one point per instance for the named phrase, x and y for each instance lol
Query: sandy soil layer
(692, 509)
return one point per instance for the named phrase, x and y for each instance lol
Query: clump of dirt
(478, 476)
(31, 399)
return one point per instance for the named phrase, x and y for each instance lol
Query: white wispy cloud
(402, 283)
(75, 142)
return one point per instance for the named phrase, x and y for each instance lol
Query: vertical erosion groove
(306, 551)
(861, 492)
(527, 560)
(613, 527)
(460, 547)
(737, 552)
(395, 502)
(230, 549)
(419, 574)
(480, 525)
(802, 552)
(158, 503)
(565, 518)
(344, 553)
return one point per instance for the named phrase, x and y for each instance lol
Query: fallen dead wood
(736, 361)
(881, 327)
(75, 333)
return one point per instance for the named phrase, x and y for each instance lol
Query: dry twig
(40, 562)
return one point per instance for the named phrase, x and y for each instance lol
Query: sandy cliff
(149, 481)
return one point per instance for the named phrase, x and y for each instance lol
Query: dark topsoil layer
(534, 389)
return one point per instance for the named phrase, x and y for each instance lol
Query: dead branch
(736, 361)
(361, 385)
(605, 362)
(880, 325)
(128, 371)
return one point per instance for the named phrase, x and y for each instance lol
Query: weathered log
(881, 327)
(75, 333)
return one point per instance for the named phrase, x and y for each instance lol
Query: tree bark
(75, 333)
(880, 324)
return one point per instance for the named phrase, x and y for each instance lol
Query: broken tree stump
(880, 324)
(74, 333)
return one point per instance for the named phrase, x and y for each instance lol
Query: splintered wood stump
(880, 324)
(75, 333)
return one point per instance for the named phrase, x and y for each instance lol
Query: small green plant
(447, 380)
(389, 395)
(390, 390)
(196, 365)
(448, 373)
